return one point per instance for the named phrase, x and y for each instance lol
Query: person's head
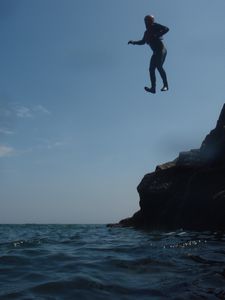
(149, 20)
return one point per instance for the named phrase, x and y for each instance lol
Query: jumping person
(153, 37)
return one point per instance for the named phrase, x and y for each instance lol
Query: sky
(77, 130)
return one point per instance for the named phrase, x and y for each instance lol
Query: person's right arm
(140, 42)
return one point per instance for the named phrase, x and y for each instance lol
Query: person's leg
(152, 68)
(159, 62)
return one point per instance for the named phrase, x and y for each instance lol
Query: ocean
(97, 262)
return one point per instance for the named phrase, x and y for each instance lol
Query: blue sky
(77, 130)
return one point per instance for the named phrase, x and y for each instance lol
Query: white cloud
(50, 144)
(24, 112)
(6, 131)
(42, 109)
(56, 144)
(5, 150)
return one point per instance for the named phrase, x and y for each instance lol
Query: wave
(93, 262)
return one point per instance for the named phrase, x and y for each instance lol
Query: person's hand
(131, 42)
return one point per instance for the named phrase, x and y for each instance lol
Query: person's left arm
(160, 30)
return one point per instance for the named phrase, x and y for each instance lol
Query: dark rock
(188, 192)
(213, 147)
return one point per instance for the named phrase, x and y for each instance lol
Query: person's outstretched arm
(141, 42)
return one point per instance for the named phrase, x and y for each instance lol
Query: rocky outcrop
(188, 192)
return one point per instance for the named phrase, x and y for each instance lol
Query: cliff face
(188, 192)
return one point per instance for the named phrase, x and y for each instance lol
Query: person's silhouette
(153, 37)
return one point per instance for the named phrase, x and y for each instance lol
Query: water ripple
(96, 262)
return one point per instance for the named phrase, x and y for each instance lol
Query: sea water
(96, 262)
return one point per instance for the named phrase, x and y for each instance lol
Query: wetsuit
(153, 37)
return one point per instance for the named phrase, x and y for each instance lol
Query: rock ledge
(188, 192)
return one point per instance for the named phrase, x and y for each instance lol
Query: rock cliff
(188, 192)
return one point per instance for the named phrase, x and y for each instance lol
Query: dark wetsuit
(153, 37)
